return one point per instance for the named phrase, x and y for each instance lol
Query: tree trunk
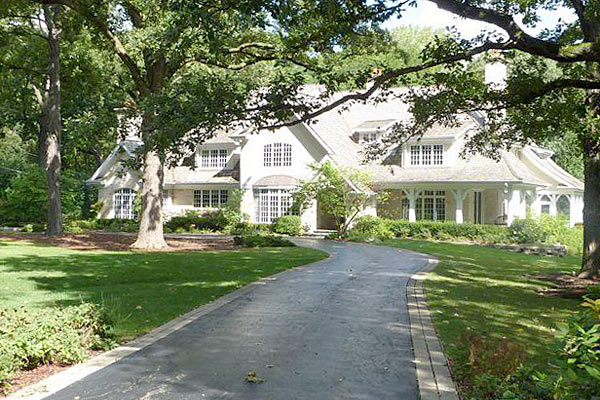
(54, 125)
(591, 218)
(150, 235)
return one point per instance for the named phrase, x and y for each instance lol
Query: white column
(553, 208)
(459, 195)
(575, 209)
(412, 204)
(513, 203)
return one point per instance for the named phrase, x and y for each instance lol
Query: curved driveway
(335, 329)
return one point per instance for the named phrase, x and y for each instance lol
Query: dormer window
(277, 155)
(367, 137)
(427, 154)
(215, 158)
(369, 131)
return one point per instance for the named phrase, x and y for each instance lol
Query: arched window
(563, 206)
(277, 155)
(123, 201)
(545, 204)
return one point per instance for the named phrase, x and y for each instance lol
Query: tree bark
(150, 235)
(590, 265)
(54, 124)
(591, 218)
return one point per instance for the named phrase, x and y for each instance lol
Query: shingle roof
(189, 176)
(277, 180)
(476, 168)
(375, 124)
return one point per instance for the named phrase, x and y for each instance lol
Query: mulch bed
(568, 286)
(121, 241)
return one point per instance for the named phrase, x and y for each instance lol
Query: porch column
(412, 205)
(459, 195)
(575, 209)
(512, 199)
(553, 200)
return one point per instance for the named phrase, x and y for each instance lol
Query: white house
(426, 177)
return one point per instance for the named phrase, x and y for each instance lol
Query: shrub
(29, 339)
(375, 227)
(579, 356)
(116, 225)
(223, 220)
(255, 240)
(527, 230)
(547, 229)
(288, 225)
(369, 227)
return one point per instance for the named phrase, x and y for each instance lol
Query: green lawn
(484, 291)
(139, 290)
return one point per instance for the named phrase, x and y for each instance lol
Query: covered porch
(483, 204)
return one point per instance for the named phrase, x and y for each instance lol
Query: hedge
(49, 336)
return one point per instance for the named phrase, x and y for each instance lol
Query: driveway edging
(433, 374)
(56, 382)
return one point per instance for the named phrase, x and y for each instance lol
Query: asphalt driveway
(336, 329)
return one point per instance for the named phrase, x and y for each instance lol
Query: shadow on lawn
(486, 292)
(139, 290)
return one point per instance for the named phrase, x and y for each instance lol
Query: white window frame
(426, 155)
(124, 204)
(368, 137)
(545, 202)
(210, 198)
(272, 203)
(277, 155)
(428, 204)
(213, 158)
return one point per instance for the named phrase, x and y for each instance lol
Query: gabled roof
(129, 146)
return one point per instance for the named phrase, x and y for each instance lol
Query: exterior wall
(392, 208)
(490, 205)
(305, 151)
(117, 178)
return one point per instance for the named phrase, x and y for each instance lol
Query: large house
(426, 177)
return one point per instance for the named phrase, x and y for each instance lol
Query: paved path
(336, 329)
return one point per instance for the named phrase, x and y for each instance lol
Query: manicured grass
(139, 290)
(485, 292)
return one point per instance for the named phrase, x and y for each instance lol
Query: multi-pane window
(210, 198)
(405, 207)
(431, 205)
(368, 137)
(123, 203)
(215, 158)
(277, 155)
(438, 154)
(415, 155)
(427, 154)
(272, 204)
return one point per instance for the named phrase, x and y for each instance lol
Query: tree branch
(588, 27)
(103, 28)
(568, 53)
(389, 76)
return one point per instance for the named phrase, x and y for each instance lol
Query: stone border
(54, 383)
(433, 374)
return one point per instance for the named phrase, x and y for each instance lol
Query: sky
(427, 14)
